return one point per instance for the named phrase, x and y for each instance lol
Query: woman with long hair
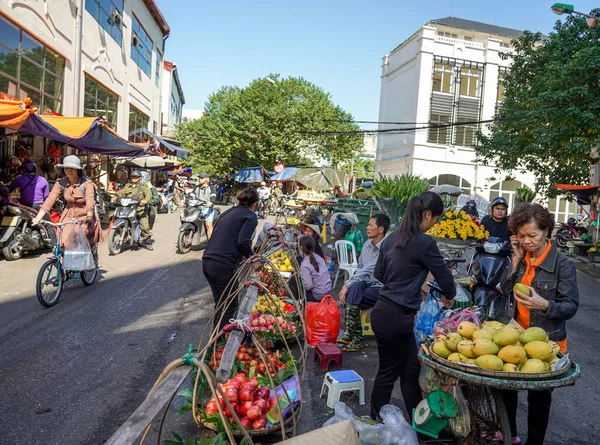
(406, 257)
(231, 241)
(313, 269)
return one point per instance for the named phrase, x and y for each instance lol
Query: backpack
(98, 208)
(155, 198)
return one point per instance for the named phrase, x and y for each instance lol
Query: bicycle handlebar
(455, 260)
(71, 221)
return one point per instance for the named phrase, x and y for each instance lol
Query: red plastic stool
(328, 353)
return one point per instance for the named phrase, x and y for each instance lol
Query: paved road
(73, 373)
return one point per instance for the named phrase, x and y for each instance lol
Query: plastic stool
(338, 382)
(365, 321)
(328, 353)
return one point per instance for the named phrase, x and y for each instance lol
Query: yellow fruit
(486, 333)
(522, 288)
(533, 334)
(484, 346)
(510, 367)
(466, 329)
(492, 324)
(465, 347)
(471, 361)
(539, 349)
(506, 336)
(491, 362)
(533, 365)
(452, 341)
(439, 347)
(516, 327)
(552, 361)
(458, 358)
(512, 354)
(555, 347)
(287, 262)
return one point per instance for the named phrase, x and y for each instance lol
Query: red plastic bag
(444, 327)
(322, 321)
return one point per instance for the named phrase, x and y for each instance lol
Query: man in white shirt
(362, 290)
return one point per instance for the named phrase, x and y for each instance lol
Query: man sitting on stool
(362, 290)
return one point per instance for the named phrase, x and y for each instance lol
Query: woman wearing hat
(79, 195)
(312, 230)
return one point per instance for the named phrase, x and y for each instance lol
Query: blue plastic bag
(429, 314)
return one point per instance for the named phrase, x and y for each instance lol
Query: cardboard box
(341, 433)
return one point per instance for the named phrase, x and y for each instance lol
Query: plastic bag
(461, 423)
(427, 317)
(78, 255)
(429, 380)
(356, 238)
(394, 430)
(463, 298)
(322, 321)
(444, 327)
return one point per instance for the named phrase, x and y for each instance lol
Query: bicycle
(53, 275)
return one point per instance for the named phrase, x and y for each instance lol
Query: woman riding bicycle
(79, 194)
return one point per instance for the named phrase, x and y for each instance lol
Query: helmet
(136, 174)
(499, 200)
(29, 166)
(263, 183)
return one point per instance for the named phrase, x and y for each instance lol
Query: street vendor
(312, 230)
(405, 258)
(551, 278)
(310, 216)
(315, 276)
(231, 241)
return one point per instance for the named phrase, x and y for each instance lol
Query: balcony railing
(466, 43)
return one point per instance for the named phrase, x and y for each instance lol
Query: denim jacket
(556, 281)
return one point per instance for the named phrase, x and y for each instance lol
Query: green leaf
(184, 409)
(187, 393)
(219, 439)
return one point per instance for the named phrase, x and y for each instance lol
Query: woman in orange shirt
(552, 280)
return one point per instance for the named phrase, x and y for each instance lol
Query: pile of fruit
(282, 260)
(249, 401)
(312, 195)
(269, 304)
(271, 323)
(249, 361)
(499, 347)
(292, 221)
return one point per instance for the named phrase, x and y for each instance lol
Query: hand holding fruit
(527, 297)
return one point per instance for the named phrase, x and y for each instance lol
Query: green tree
(549, 118)
(287, 119)
(363, 168)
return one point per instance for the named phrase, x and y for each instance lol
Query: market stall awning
(322, 179)
(84, 133)
(582, 193)
(286, 175)
(142, 161)
(250, 175)
(173, 149)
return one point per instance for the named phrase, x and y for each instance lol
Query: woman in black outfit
(405, 259)
(231, 241)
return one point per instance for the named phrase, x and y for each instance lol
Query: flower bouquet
(455, 231)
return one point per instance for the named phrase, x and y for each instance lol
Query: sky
(337, 45)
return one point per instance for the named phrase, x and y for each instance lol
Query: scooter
(284, 210)
(486, 268)
(572, 229)
(193, 217)
(125, 228)
(18, 235)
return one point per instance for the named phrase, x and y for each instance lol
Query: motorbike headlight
(14, 210)
(125, 201)
(190, 216)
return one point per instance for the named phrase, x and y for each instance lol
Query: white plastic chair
(346, 255)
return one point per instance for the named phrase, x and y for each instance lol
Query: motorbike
(193, 217)
(18, 236)
(486, 268)
(282, 209)
(571, 229)
(125, 228)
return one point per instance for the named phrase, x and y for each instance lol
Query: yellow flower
(592, 250)
(448, 214)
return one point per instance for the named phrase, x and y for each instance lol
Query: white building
(192, 113)
(370, 145)
(447, 72)
(172, 99)
(85, 58)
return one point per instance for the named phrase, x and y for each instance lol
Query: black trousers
(393, 327)
(218, 276)
(538, 413)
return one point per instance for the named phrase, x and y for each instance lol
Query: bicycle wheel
(49, 283)
(488, 415)
(88, 277)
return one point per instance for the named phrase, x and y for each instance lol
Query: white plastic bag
(78, 255)
(461, 423)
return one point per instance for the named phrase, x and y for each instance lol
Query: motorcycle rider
(205, 192)
(470, 208)
(264, 194)
(34, 189)
(135, 189)
(154, 202)
(497, 222)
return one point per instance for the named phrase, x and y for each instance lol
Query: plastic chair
(346, 261)
(327, 353)
(338, 382)
(365, 320)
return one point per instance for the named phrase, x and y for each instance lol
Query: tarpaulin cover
(582, 193)
(174, 149)
(142, 161)
(250, 175)
(286, 175)
(322, 179)
(13, 114)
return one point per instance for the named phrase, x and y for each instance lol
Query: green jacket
(139, 190)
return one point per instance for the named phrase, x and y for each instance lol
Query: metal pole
(77, 68)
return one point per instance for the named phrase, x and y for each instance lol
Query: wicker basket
(288, 424)
(503, 380)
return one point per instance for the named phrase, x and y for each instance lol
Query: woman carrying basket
(78, 193)
(552, 281)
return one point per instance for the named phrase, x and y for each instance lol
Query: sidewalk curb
(583, 265)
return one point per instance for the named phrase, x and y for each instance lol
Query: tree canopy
(288, 119)
(549, 119)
